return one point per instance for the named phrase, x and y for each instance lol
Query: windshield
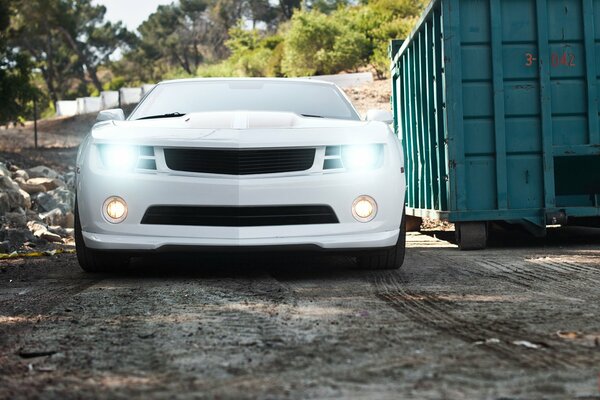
(308, 99)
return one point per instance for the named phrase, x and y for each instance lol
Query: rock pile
(36, 207)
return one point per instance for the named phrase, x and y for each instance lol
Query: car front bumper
(337, 190)
(161, 243)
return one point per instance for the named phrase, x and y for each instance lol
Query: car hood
(243, 128)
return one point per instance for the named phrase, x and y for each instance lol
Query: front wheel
(391, 258)
(91, 260)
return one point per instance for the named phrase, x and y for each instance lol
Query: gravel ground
(513, 322)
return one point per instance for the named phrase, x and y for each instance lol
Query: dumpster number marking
(530, 59)
(566, 59)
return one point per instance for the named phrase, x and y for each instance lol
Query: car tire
(391, 258)
(94, 261)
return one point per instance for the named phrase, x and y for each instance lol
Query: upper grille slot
(239, 162)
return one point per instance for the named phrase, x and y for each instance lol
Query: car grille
(239, 162)
(239, 216)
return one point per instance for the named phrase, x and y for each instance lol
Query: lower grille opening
(239, 216)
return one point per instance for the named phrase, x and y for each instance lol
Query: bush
(320, 44)
(220, 70)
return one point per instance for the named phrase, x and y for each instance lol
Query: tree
(383, 20)
(260, 11)
(16, 90)
(327, 6)
(287, 8)
(178, 35)
(91, 38)
(67, 40)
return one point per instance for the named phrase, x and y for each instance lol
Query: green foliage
(220, 70)
(384, 20)
(320, 44)
(16, 89)
(252, 54)
(115, 83)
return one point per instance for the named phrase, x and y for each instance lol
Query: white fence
(87, 105)
(130, 95)
(109, 100)
(66, 108)
(146, 89)
(126, 96)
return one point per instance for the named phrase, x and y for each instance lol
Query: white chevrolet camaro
(245, 164)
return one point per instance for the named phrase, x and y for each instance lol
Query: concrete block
(130, 95)
(66, 108)
(109, 99)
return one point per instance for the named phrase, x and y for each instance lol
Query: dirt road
(509, 322)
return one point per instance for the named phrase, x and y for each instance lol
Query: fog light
(115, 210)
(364, 209)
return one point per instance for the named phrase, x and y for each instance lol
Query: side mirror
(116, 114)
(381, 116)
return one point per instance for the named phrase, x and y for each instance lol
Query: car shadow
(509, 236)
(241, 266)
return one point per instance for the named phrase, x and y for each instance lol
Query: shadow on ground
(208, 266)
(515, 236)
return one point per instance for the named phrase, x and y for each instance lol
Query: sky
(131, 12)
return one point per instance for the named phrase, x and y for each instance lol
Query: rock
(69, 220)
(41, 231)
(7, 184)
(33, 216)
(20, 173)
(60, 231)
(6, 247)
(5, 204)
(32, 189)
(47, 183)
(51, 237)
(12, 192)
(4, 170)
(42, 172)
(19, 236)
(57, 217)
(70, 179)
(46, 202)
(59, 198)
(17, 218)
(26, 199)
(36, 228)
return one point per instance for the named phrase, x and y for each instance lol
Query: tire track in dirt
(435, 312)
(540, 277)
(547, 278)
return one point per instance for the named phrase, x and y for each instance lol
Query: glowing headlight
(361, 156)
(115, 210)
(364, 209)
(119, 157)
